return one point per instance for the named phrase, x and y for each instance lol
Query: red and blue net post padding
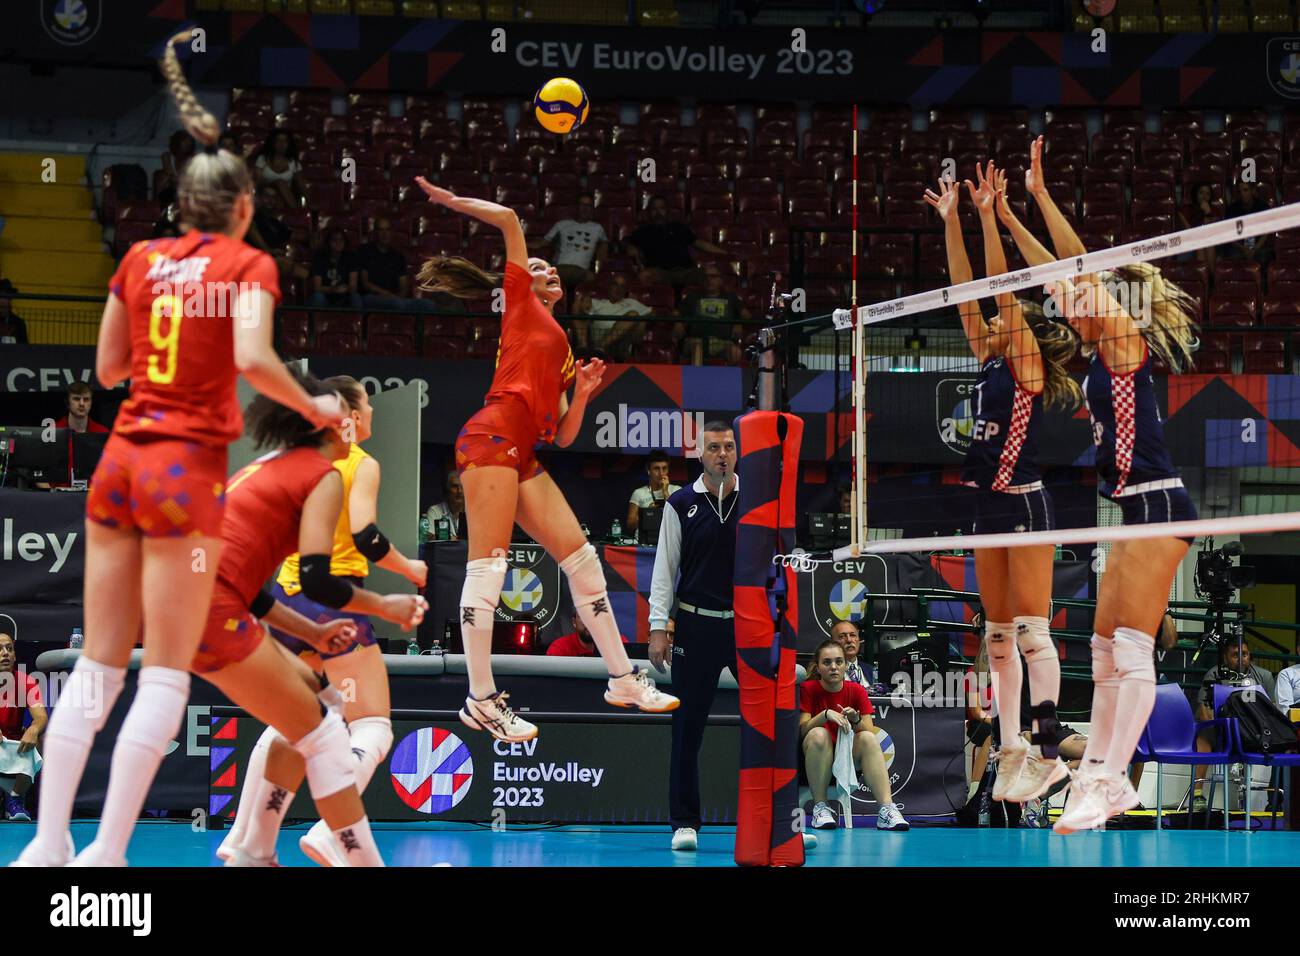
(766, 830)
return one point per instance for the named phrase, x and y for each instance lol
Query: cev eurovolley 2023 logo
(432, 770)
(1283, 66)
(71, 22)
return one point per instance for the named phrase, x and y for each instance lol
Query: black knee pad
(1048, 735)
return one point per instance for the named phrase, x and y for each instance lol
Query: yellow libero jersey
(345, 559)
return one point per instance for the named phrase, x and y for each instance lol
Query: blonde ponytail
(212, 179)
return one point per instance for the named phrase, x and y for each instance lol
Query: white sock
(358, 844)
(1004, 664)
(154, 719)
(268, 805)
(478, 602)
(1105, 695)
(253, 773)
(1135, 661)
(80, 712)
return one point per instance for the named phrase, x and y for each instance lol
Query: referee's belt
(704, 611)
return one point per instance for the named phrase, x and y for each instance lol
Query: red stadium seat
(338, 343)
(1232, 311)
(653, 353)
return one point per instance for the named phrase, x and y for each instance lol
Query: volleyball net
(1233, 437)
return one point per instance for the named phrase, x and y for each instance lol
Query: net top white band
(1158, 247)
(1200, 528)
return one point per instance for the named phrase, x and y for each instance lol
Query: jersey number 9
(162, 369)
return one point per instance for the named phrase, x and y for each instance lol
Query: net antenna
(858, 378)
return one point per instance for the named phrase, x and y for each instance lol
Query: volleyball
(561, 105)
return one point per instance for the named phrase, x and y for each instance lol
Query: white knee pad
(373, 734)
(330, 764)
(1135, 655)
(586, 576)
(482, 590)
(158, 710)
(1034, 638)
(998, 638)
(331, 699)
(1103, 660)
(92, 688)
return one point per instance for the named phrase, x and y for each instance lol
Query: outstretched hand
(1000, 203)
(482, 209)
(984, 195)
(1034, 181)
(945, 200)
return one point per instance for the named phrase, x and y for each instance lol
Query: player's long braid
(456, 276)
(213, 179)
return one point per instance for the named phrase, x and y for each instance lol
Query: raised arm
(588, 379)
(494, 214)
(1031, 250)
(959, 270)
(1064, 239)
(1022, 348)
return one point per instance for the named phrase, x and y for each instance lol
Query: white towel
(846, 775)
(14, 764)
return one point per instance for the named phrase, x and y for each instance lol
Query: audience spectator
(1199, 212)
(20, 761)
(230, 143)
(13, 330)
(654, 492)
(577, 643)
(662, 249)
(1172, 664)
(1234, 664)
(720, 307)
(180, 147)
(268, 233)
(334, 273)
(577, 246)
(277, 165)
(845, 499)
(615, 337)
(830, 706)
(384, 282)
(451, 508)
(1260, 248)
(847, 636)
(1288, 688)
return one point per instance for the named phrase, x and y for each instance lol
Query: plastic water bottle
(424, 528)
(616, 531)
(413, 647)
(442, 530)
(77, 640)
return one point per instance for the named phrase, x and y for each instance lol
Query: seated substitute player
(831, 706)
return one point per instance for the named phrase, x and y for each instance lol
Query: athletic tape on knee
(1103, 660)
(371, 738)
(1000, 644)
(158, 710)
(330, 764)
(586, 577)
(1135, 655)
(1034, 637)
(92, 689)
(482, 589)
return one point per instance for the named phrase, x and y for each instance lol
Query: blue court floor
(175, 844)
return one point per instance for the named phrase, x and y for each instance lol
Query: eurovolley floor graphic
(466, 845)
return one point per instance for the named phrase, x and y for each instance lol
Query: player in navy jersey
(1136, 473)
(1023, 360)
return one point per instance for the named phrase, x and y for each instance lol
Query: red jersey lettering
(179, 294)
(535, 364)
(264, 502)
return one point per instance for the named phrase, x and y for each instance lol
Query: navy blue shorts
(997, 512)
(1157, 506)
(320, 614)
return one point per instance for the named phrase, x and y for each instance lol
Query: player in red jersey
(504, 483)
(153, 516)
(285, 502)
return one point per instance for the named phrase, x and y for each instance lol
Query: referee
(694, 562)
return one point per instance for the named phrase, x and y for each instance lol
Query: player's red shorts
(483, 442)
(161, 487)
(232, 633)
